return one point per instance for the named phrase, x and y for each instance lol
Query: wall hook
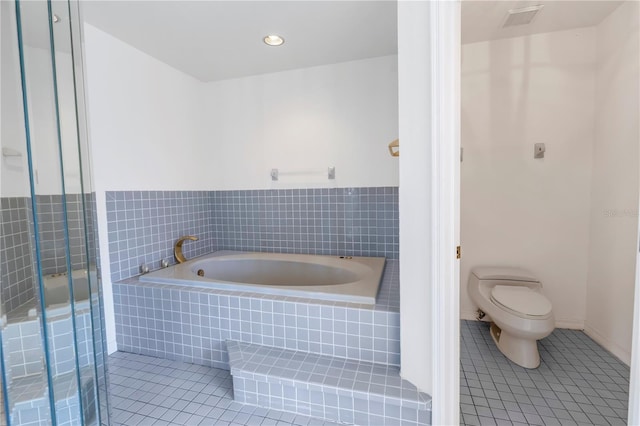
(394, 144)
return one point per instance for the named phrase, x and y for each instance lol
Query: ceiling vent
(522, 16)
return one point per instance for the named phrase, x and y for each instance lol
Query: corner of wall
(615, 183)
(105, 272)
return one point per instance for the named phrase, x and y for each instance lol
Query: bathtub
(56, 293)
(337, 278)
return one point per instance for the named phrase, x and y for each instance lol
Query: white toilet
(520, 314)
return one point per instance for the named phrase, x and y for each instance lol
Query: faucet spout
(177, 248)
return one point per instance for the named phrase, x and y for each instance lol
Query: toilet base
(523, 352)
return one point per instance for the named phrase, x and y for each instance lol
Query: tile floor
(577, 383)
(154, 391)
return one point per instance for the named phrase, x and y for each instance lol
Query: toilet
(520, 315)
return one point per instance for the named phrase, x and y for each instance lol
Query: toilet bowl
(512, 299)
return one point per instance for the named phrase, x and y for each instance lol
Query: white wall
(145, 119)
(303, 121)
(230, 134)
(14, 177)
(614, 197)
(144, 123)
(415, 195)
(517, 210)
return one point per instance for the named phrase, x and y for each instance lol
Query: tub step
(326, 387)
(29, 398)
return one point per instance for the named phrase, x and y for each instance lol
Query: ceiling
(217, 40)
(482, 20)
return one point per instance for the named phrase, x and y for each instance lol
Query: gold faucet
(177, 248)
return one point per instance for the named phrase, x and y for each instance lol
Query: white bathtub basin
(347, 279)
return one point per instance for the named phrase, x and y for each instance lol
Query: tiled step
(22, 345)
(326, 387)
(29, 398)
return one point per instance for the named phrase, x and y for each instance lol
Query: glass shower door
(53, 364)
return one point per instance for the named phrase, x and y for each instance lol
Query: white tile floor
(153, 391)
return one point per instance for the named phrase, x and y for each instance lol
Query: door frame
(429, 129)
(445, 48)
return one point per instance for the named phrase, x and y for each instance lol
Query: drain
(200, 272)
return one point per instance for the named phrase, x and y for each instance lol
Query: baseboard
(572, 324)
(615, 349)
(469, 315)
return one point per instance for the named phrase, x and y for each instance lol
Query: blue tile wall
(22, 344)
(16, 247)
(339, 221)
(60, 344)
(143, 225)
(35, 413)
(51, 232)
(17, 272)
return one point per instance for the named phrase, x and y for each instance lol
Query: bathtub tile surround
(388, 299)
(143, 225)
(325, 387)
(341, 221)
(195, 325)
(578, 382)
(192, 324)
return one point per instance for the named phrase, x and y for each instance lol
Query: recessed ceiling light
(273, 40)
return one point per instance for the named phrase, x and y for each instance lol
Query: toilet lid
(521, 299)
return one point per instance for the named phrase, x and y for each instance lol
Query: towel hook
(394, 144)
